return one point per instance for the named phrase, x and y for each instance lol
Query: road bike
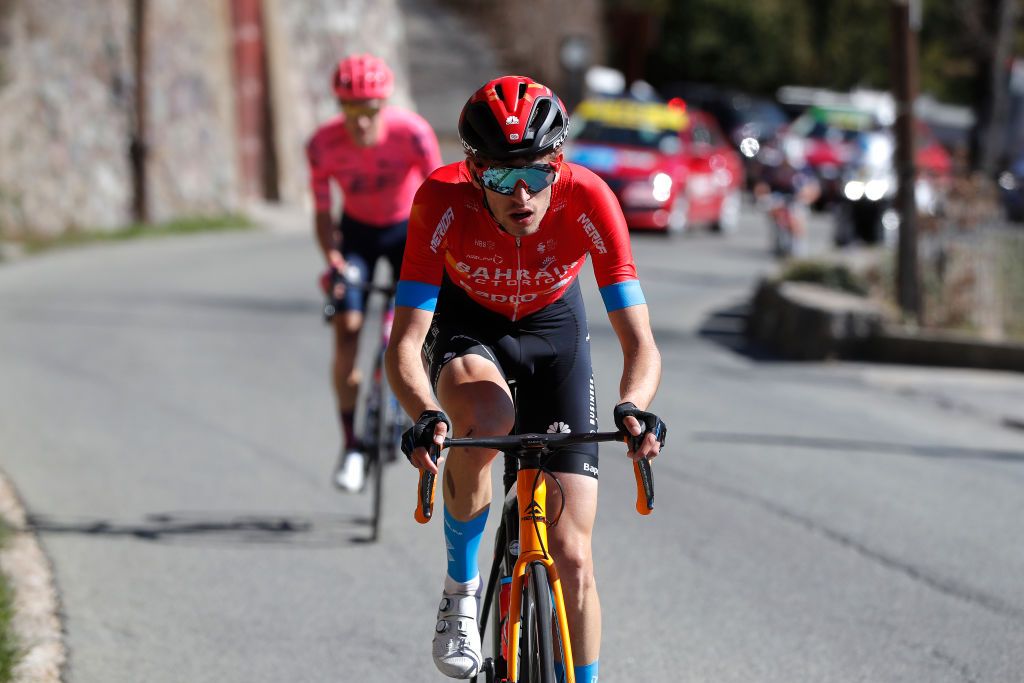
(523, 579)
(383, 417)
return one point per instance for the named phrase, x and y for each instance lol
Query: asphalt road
(165, 413)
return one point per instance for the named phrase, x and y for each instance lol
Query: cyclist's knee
(575, 562)
(347, 327)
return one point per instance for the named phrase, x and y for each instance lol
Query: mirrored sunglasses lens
(505, 180)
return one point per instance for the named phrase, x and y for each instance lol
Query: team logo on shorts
(558, 428)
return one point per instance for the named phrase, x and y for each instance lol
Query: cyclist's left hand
(647, 429)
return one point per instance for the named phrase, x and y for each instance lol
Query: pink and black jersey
(452, 233)
(378, 182)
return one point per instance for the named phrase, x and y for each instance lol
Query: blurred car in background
(670, 166)
(864, 212)
(748, 121)
(1011, 189)
(825, 138)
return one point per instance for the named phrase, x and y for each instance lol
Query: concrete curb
(36, 622)
(804, 321)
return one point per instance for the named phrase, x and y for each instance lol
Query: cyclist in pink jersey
(377, 156)
(488, 300)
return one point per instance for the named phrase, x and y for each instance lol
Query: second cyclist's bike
(383, 418)
(524, 592)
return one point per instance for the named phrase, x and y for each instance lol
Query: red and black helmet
(513, 117)
(363, 77)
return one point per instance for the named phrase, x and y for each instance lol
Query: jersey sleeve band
(622, 295)
(416, 295)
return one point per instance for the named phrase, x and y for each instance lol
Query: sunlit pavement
(166, 414)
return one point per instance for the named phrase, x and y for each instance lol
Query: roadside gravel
(36, 621)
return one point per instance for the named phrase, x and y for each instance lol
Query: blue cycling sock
(462, 540)
(584, 674)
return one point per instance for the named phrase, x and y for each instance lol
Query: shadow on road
(727, 327)
(824, 443)
(217, 527)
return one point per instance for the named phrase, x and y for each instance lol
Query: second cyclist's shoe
(351, 472)
(457, 636)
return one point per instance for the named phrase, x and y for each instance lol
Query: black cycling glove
(421, 434)
(650, 422)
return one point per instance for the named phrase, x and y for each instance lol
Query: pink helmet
(363, 77)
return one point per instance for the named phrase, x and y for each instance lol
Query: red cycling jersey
(378, 182)
(452, 232)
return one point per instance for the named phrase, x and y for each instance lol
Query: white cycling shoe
(351, 473)
(457, 636)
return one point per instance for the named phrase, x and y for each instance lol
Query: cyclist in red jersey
(489, 299)
(377, 155)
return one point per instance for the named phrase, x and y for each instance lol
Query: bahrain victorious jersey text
(378, 182)
(452, 232)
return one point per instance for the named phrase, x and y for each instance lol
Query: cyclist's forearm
(641, 375)
(407, 377)
(327, 236)
(641, 361)
(403, 360)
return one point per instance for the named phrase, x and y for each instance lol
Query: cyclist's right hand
(430, 429)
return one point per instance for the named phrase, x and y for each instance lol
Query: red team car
(670, 167)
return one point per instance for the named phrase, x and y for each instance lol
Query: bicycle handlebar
(331, 305)
(520, 444)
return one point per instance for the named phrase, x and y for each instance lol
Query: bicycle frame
(529, 450)
(531, 492)
(381, 430)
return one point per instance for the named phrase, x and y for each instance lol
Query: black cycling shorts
(545, 358)
(363, 245)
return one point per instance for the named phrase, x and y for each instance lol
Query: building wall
(536, 51)
(192, 161)
(63, 115)
(306, 38)
(66, 102)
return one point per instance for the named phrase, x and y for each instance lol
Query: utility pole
(906, 21)
(137, 150)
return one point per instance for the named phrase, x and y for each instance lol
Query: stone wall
(63, 117)
(192, 153)
(66, 94)
(306, 39)
(528, 36)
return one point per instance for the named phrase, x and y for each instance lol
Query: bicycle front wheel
(537, 648)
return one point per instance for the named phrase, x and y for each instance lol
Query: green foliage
(832, 275)
(181, 226)
(759, 45)
(9, 650)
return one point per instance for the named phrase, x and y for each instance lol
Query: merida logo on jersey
(592, 232)
(441, 229)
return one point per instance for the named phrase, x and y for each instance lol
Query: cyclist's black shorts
(363, 245)
(544, 356)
